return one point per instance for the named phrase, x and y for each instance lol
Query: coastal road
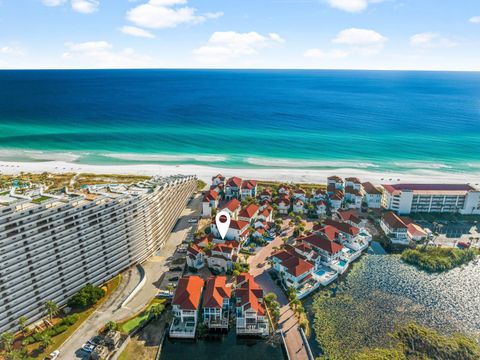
(154, 268)
(288, 322)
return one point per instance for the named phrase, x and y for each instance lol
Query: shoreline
(205, 173)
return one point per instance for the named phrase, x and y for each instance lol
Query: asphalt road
(112, 309)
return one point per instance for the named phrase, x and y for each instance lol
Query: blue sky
(342, 34)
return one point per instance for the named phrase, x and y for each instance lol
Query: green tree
(51, 308)
(7, 339)
(111, 325)
(156, 310)
(45, 340)
(22, 324)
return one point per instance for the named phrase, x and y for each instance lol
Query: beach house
(395, 228)
(232, 188)
(195, 257)
(249, 213)
(336, 199)
(283, 204)
(284, 190)
(237, 230)
(216, 303)
(218, 179)
(233, 208)
(222, 256)
(185, 307)
(250, 311)
(248, 189)
(372, 196)
(298, 206)
(292, 269)
(266, 194)
(320, 208)
(335, 183)
(328, 250)
(209, 202)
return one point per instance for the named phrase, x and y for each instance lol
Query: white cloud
(53, 2)
(352, 5)
(135, 31)
(430, 40)
(359, 37)
(475, 20)
(85, 6)
(227, 45)
(356, 41)
(100, 54)
(326, 54)
(158, 14)
(9, 50)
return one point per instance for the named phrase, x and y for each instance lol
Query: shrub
(87, 296)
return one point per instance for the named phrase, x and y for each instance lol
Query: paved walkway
(288, 322)
(112, 309)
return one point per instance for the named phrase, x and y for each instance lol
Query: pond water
(222, 347)
(383, 292)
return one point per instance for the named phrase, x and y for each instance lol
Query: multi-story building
(373, 196)
(216, 302)
(407, 198)
(186, 306)
(250, 310)
(51, 245)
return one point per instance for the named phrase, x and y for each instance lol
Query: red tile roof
(218, 176)
(330, 231)
(249, 293)
(352, 190)
(336, 178)
(337, 195)
(354, 180)
(194, 249)
(232, 205)
(297, 266)
(249, 211)
(393, 221)
(238, 224)
(249, 184)
(215, 291)
(349, 215)
(343, 227)
(188, 293)
(371, 189)
(322, 242)
(234, 181)
(210, 196)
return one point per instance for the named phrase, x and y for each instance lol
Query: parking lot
(453, 232)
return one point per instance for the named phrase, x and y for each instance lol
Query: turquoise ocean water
(372, 120)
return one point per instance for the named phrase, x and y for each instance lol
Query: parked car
(192, 221)
(88, 347)
(173, 278)
(463, 245)
(165, 294)
(53, 355)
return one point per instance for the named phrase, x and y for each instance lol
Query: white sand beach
(275, 174)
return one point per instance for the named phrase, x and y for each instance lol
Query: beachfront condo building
(51, 245)
(431, 198)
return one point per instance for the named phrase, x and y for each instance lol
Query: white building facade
(52, 245)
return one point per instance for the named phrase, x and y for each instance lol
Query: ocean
(389, 121)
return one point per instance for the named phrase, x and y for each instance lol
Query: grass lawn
(82, 316)
(40, 199)
(129, 325)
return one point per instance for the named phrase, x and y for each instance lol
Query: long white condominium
(417, 198)
(52, 245)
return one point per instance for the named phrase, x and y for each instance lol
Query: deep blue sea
(378, 120)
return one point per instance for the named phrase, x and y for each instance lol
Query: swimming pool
(320, 272)
(343, 263)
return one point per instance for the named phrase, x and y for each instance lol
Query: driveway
(154, 268)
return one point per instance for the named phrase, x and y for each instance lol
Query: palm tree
(156, 311)
(7, 340)
(45, 340)
(51, 308)
(22, 324)
(111, 325)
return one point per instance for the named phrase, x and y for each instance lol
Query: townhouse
(216, 303)
(250, 308)
(232, 188)
(372, 196)
(209, 202)
(185, 307)
(249, 189)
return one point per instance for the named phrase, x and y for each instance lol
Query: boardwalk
(288, 321)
